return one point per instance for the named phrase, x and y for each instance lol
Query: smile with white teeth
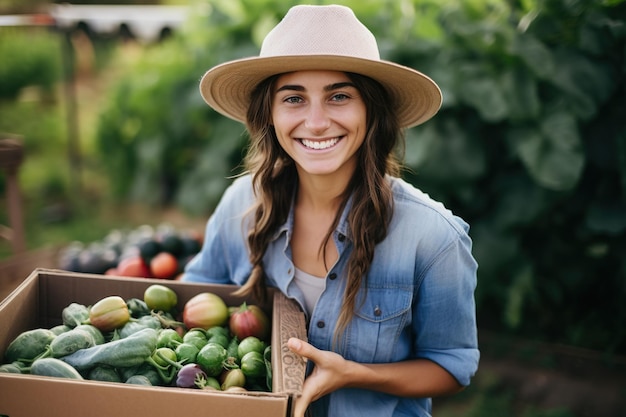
(316, 144)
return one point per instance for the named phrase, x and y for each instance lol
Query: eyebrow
(330, 87)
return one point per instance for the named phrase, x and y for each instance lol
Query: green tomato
(250, 344)
(163, 354)
(160, 298)
(186, 353)
(169, 338)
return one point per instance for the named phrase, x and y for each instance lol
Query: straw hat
(320, 38)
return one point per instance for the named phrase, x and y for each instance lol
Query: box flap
(290, 367)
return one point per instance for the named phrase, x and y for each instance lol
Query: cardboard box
(18, 267)
(38, 302)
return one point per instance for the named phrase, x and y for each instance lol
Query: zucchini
(55, 368)
(130, 351)
(28, 345)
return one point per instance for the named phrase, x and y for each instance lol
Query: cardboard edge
(291, 367)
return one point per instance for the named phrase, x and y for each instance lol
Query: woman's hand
(410, 378)
(328, 374)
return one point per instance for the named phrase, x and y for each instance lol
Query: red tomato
(164, 265)
(133, 266)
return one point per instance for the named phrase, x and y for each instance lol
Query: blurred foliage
(529, 147)
(29, 58)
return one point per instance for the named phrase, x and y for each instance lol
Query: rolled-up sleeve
(445, 312)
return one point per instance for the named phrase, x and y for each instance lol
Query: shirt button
(332, 275)
(341, 237)
(321, 324)
(289, 271)
(377, 311)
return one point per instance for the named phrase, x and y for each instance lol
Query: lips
(319, 144)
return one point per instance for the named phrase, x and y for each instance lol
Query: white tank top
(311, 286)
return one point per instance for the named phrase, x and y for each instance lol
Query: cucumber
(61, 328)
(75, 314)
(104, 373)
(98, 337)
(55, 368)
(28, 345)
(69, 342)
(138, 380)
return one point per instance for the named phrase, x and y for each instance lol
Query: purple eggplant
(190, 376)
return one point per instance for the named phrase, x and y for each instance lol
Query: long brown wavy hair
(275, 180)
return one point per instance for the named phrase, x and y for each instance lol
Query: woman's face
(320, 121)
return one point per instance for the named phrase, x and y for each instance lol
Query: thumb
(301, 347)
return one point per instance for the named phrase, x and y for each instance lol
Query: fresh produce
(28, 345)
(74, 315)
(212, 358)
(249, 320)
(160, 298)
(130, 351)
(144, 252)
(109, 313)
(54, 367)
(190, 375)
(125, 341)
(70, 342)
(205, 310)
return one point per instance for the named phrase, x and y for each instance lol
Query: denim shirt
(419, 300)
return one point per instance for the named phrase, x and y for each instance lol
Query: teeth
(313, 144)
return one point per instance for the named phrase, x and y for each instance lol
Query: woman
(384, 274)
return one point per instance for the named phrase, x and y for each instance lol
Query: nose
(317, 118)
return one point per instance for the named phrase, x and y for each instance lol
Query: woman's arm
(412, 378)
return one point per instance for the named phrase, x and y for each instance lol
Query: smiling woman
(384, 274)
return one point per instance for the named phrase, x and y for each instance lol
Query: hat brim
(227, 87)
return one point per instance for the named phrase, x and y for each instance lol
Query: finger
(300, 407)
(302, 348)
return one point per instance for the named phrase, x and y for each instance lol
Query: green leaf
(587, 83)
(552, 152)
(481, 90)
(519, 291)
(520, 89)
(534, 54)
(463, 154)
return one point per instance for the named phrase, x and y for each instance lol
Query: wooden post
(11, 156)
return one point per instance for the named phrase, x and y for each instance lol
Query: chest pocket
(380, 330)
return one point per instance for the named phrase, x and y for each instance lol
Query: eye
(292, 99)
(340, 97)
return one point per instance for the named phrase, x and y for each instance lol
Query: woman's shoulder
(413, 202)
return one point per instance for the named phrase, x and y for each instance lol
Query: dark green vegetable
(28, 345)
(54, 367)
(253, 365)
(10, 368)
(130, 351)
(137, 308)
(75, 314)
(138, 380)
(134, 325)
(144, 369)
(70, 342)
(169, 338)
(104, 373)
(212, 358)
(98, 337)
(61, 328)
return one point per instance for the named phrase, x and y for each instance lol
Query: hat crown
(320, 30)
